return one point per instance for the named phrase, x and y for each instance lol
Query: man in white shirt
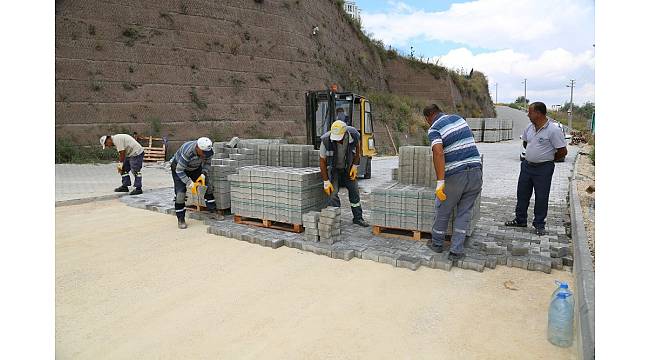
(131, 157)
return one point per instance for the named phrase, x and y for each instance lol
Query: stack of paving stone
(506, 127)
(275, 193)
(287, 155)
(492, 130)
(409, 204)
(416, 166)
(394, 174)
(329, 225)
(310, 223)
(476, 125)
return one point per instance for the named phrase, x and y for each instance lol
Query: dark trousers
(133, 164)
(340, 177)
(180, 189)
(538, 178)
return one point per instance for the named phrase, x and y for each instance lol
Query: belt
(539, 163)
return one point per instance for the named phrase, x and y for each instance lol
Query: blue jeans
(133, 164)
(461, 189)
(536, 178)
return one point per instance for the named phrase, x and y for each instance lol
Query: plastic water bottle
(562, 287)
(560, 320)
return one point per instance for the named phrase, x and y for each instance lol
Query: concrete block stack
(218, 176)
(409, 204)
(276, 193)
(476, 125)
(416, 166)
(492, 130)
(310, 223)
(329, 225)
(287, 155)
(314, 158)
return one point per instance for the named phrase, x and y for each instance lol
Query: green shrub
(67, 151)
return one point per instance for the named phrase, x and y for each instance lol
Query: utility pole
(525, 98)
(573, 82)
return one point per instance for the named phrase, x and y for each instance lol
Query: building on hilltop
(353, 10)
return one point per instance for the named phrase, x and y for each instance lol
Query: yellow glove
(327, 187)
(353, 172)
(119, 168)
(440, 190)
(199, 181)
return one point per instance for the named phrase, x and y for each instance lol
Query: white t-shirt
(125, 142)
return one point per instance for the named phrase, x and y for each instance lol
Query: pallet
(153, 153)
(400, 233)
(270, 224)
(223, 212)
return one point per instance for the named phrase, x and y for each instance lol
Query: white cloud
(494, 24)
(548, 42)
(546, 74)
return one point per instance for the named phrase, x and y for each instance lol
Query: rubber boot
(180, 215)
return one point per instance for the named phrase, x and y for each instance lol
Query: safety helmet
(337, 130)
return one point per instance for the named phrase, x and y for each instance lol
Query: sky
(546, 42)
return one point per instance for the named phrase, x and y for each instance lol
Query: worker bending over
(131, 157)
(190, 163)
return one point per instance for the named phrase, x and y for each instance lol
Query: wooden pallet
(400, 233)
(222, 212)
(153, 153)
(270, 224)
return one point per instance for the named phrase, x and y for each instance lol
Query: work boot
(540, 231)
(453, 256)
(360, 222)
(182, 224)
(136, 191)
(122, 189)
(514, 223)
(435, 248)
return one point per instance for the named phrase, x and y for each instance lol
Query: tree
(520, 100)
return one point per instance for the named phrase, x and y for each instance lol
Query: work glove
(353, 172)
(199, 181)
(327, 187)
(120, 168)
(440, 190)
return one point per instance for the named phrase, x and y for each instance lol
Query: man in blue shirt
(460, 177)
(191, 162)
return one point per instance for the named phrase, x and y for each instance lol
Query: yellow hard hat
(338, 130)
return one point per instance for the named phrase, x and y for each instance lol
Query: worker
(341, 115)
(339, 163)
(190, 164)
(459, 175)
(131, 155)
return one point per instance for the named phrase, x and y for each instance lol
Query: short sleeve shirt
(543, 143)
(127, 144)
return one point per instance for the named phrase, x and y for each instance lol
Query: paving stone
(344, 254)
(370, 254)
(518, 262)
(567, 260)
(408, 262)
(472, 264)
(540, 263)
(388, 258)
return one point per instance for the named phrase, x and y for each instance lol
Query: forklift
(321, 106)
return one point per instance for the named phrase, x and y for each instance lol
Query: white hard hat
(102, 142)
(204, 144)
